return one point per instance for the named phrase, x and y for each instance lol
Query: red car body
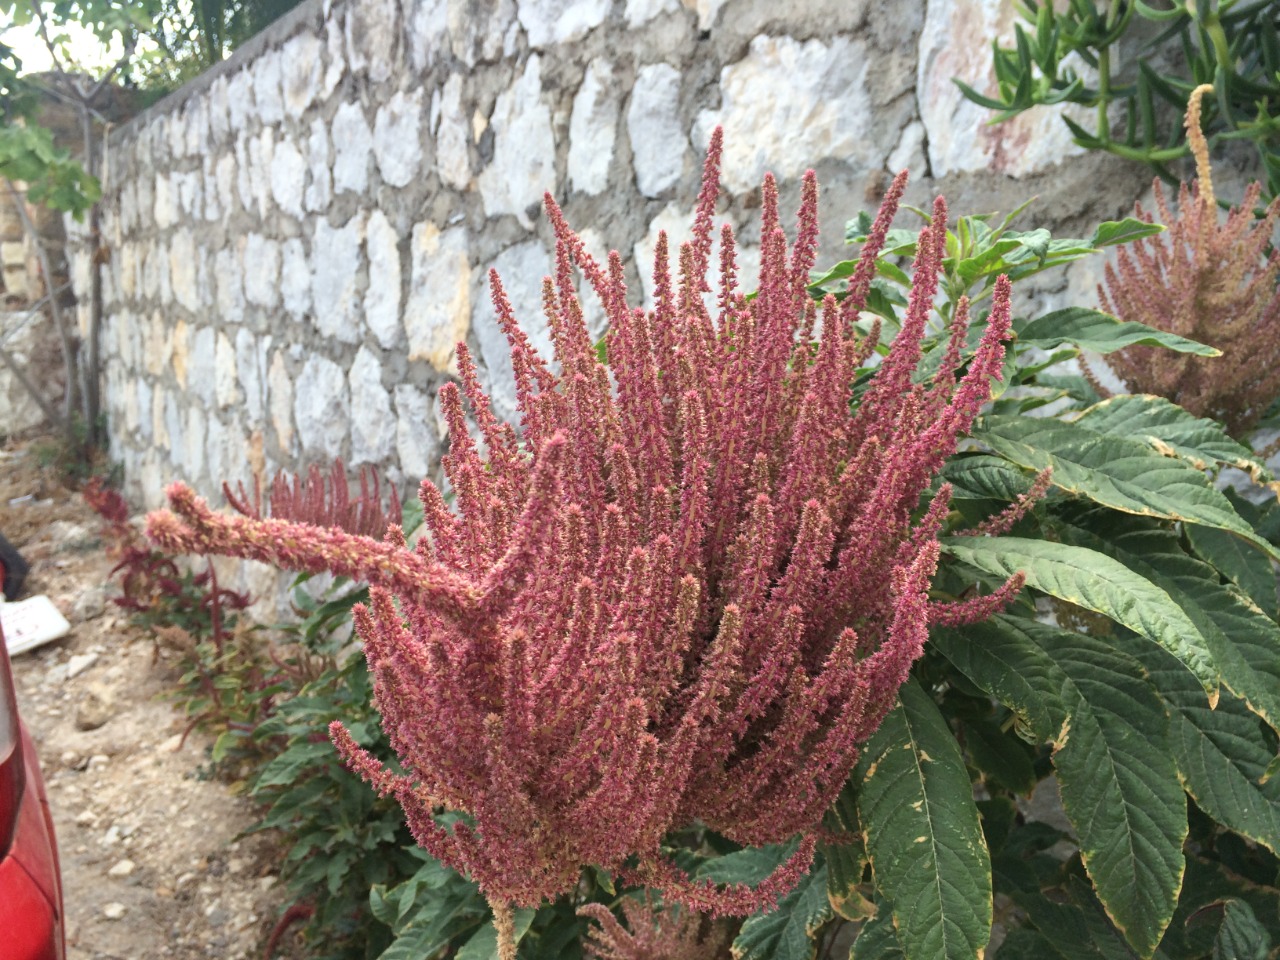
(31, 920)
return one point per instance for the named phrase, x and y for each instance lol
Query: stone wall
(297, 240)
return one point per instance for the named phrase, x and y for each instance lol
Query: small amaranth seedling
(686, 590)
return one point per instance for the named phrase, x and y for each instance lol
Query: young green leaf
(1241, 936)
(787, 932)
(1101, 332)
(922, 831)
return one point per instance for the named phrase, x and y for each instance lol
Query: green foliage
(1063, 54)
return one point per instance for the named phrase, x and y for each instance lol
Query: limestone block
(593, 127)
(320, 407)
(417, 444)
(524, 151)
(639, 12)
(177, 132)
(319, 180)
(351, 141)
(159, 429)
(261, 271)
(288, 177)
(453, 160)
(202, 376)
(225, 452)
(251, 358)
(179, 343)
(301, 69)
(560, 21)
(521, 268)
(182, 268)
(193, 442)
(261, 151)
(159, 344)
(909, 153)
(190, 193)
(481, 30)
(197, 127)
(658, 144)
(244, 185)
(173, 424)
(788, 105)
(229, 288)
(335, 267)
(140, 409)
(165, 210)
(336, 68)
(209, 187)
(373, 428)
(267, 92)
(127, 258)
(280, 401)
(295, 277)
(428, 32)
(225, 382)
(956, 42)
(438, 312)
(382, 299)
(396, 141)
(225, 172)
(240, 106)
(372, 28)
(129, 204)
(707, 11)
(219, 122)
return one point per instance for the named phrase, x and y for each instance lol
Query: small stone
(114, 911)
(172, 745)
(351, 138)
(335, 265)
(592, 129)
(71, 760)
(373, 428)
(266, 883)
(92, 712)
(79, 663)
(396, 137)
(86, 818)
(122, 869)
(653, 123)
(321, 410)
(559, 21)
(90, 604)
(524, 152)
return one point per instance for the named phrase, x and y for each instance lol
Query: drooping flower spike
(686, 593)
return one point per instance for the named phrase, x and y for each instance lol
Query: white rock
(335, 265)
(261, 149)
(453, 161)
(658, 143)
(320, 180)
(288, 177)
(193, 454)
(956, 42)
(262, 271)
(114, 911)
(371, 27)
(225, 173)
(559, 21)
(480, 30)
(182, 268)
(788, 105)
(295, 277)
(524, 151)
(351, 138)
(909, 153)
(707, 11)
(417, 444)
(301, 69)
(201, 375)
(337, 65)
(639, 12)
(521, 268)
(280, 401)
(396, 142)
(320, 407)
(267, 93)
(123, 868)
(239, 100)
(165, 210)
(250, 359)
(218, 121)
(209, 186)
(428, 32)
(438, 312)
(79, 663)
(593, 127)
(224, 372)
(373, 428)
(229, 296)
(382, 299)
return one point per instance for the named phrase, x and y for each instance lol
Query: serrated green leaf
(483, 944)
(878, 940)
(1002, 757)
(923, 834)
(1095, 582)
(983, 476)
(1171, 431)
(1111, 232)
(1209, 883)
(1236, 560)
(1102, 333)
(751, 865)
(1126, 475)
(1241, 936)
(787, 932)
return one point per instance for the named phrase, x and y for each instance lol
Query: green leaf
(1102, 333)
(1126, 475)
(1001, 756)
(483, 944)
(1112, 232)
(1240, 563)
(1209, 884)
(1171, 431)
(1241, 936)
(983, 476)
(1221, 753)
(787, 932)
(1095, 582)
(751, 865)
(878, 940)
(923, 834)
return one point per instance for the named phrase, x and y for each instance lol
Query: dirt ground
(150, 861)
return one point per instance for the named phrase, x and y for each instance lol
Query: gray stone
(417, 444)
(295, 277)
(451, 129)
(224, 372)
(201, 375)
(320, 180)
(320, 407)
(337, 65)
(79, 663)
(909, 153)
(250, 358)
(218, 120)
(173, 422)
(524, 152)
(182, 269)
(658, 143)
(165, 211)
(229, 272)
(193, 457)
(212, 197)
(640, 12)
(240, 100)
(560, 21)
(438, 312)
(261, 149)
(280, 401)
(960, 135)
(592, 129)
(225, 172)
(788, 105)
(351, 138)
(372, 28)
(481, 30)
(428, 32)
(382, 299)
(373, 428)
(262, 271)
(288, 177)
(521, 268)
(335, 268)
(267, 92)
(396, 143)
(244, 185)
(301, 66)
